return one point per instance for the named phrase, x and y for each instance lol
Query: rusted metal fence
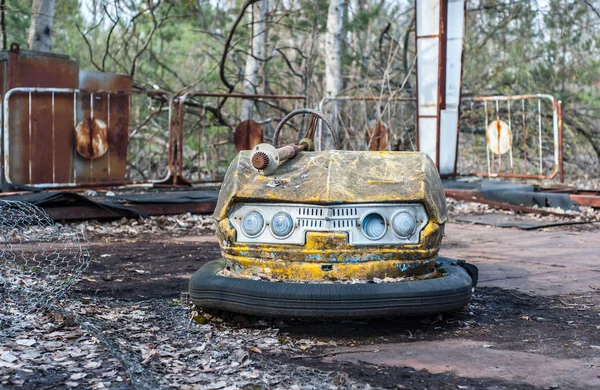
(60, 137)
(371, 122)
(207, 122)
(511, 136)
(63, 137)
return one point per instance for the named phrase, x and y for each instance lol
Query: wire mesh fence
(39, 261)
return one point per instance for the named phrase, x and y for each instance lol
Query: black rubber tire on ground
(332, 301)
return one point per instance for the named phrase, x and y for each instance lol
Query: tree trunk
(257, 50)
(40, 29)
(333, 62)
(333, 48)
(3, 23)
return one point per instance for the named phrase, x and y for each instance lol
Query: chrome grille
(331, 218)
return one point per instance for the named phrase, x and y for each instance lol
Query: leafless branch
(110, 32)
(245, 6)
(141, 51)
(89, 46)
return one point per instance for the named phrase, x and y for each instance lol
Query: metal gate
(511, 136)
(60, 137)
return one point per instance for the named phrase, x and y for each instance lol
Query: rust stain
(377, 135)
(247, 135)
(91, 138)
(335, 177)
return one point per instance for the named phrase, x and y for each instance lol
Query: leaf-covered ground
(128, 324)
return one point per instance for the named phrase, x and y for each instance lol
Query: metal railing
(207, 122)
(371, 122)
(511, 136)
(61, 137)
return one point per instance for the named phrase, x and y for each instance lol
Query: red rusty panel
(247, 135)
(113, 110)
(587, 200)
(40, 130)
(377, 135)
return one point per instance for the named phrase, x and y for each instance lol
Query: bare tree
(333, 57)
(258, 17)
(40, 29)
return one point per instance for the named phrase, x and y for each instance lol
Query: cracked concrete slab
(538, 263)
(476, 359)
(533, 262)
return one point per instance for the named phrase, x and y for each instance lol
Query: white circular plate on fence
(498, 137)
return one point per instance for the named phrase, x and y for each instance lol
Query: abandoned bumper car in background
(331, 234)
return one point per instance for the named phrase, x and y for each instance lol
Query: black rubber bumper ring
(333, 301)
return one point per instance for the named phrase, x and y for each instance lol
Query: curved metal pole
(318, 114)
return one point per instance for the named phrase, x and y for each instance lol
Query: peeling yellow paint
(285, 269)
(335, 177)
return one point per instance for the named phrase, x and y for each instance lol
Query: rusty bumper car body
(333, 234)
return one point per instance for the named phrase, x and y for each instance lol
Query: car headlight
(374, 226)
(282, 224)
(404, 224)
(253, 223)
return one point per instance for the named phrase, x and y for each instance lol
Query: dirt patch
(144, 270)
(558, 326)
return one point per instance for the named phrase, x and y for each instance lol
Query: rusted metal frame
(557, 138)
(477, 197)
(510, 147)
(561, 146)
(442, 60)
(498, 138)
(524, 135)
(179, 173)
(441, 36)
(53, 91)
(540, 145)
(53, 142)
(366, 98)
(73, 152)
(586, 200)
(460, 93)
(91, 177)
(177, 128)
(247, 96)
(29, 140)
(108, 123)
(487, 149)
(175, 147)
